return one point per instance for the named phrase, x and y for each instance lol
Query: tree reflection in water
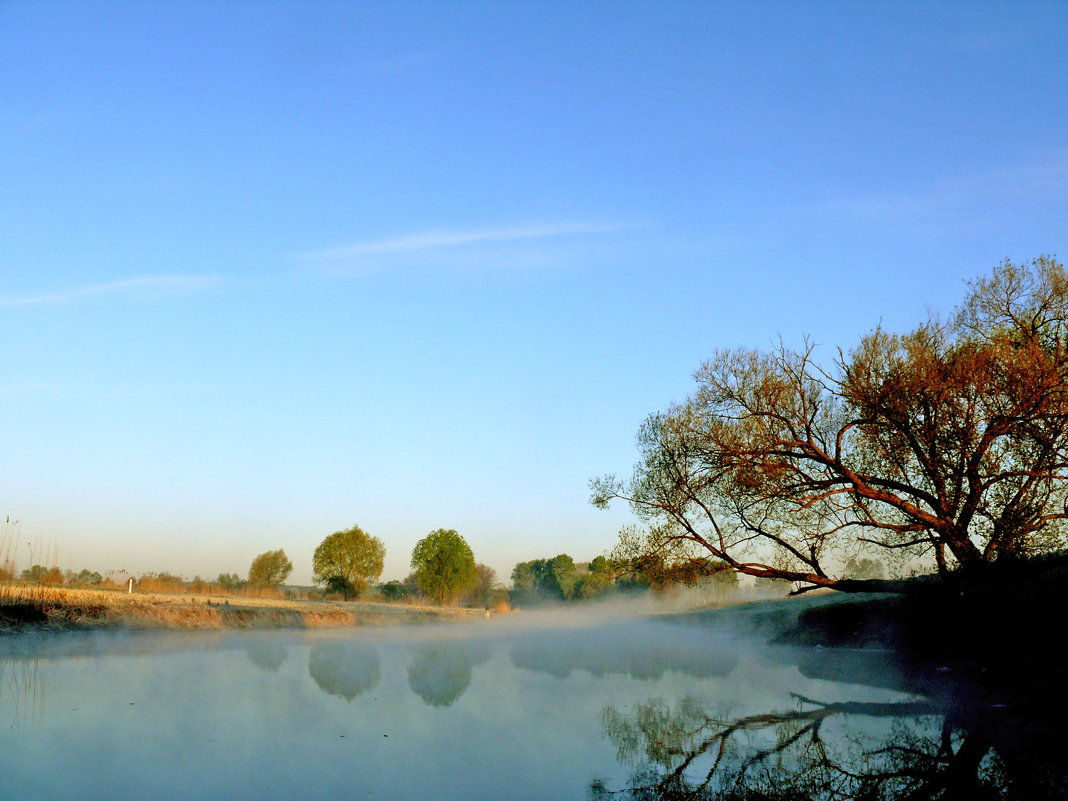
(267, 655)
(346, 669)
(641, 652)
(441, 674)
(920, 752)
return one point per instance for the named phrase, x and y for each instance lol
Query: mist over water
(535, 706)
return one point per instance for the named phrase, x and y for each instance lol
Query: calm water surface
(498, 710)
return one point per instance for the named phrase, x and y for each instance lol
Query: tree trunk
(869, 585)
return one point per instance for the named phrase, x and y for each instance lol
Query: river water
(516, 709)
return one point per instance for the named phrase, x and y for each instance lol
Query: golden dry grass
(54, 608)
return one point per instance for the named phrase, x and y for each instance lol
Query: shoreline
(30, 608)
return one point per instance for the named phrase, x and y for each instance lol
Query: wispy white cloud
(137, 287)
(40, 389)
(439, 239)
(965, 194)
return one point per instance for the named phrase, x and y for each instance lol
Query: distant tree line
(562, 580)
(39, 574)
(348, 563)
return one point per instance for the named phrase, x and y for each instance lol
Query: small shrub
(394, 591)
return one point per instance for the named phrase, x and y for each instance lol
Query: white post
(129, 586)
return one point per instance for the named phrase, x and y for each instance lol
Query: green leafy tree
(84, 578)
(592, 586)
(444, 565)
(394, 591)
(719, 586)
(525, 575)
(484, 591)
(528, 581)
(347, 561)
(269, 569)
(775, 587)
(598, 580)
(563, 576)
(231, 582)
(545, 580)
(411, 583)
(339, 585)
(863, 568)
(949, 442)
(39, 574)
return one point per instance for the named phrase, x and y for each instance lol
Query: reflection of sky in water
(452, 712)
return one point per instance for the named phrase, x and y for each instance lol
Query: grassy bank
(27, 607)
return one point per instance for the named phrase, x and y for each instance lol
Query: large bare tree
(951, 441)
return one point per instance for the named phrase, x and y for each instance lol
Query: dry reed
(24, 606)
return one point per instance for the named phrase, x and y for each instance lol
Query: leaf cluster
(348, 560)
(269, 569)
(444, 564)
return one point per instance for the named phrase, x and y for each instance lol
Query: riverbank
(35, 608)
(995, 631)
(997, 626)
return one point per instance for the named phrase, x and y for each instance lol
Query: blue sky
(271, 269)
